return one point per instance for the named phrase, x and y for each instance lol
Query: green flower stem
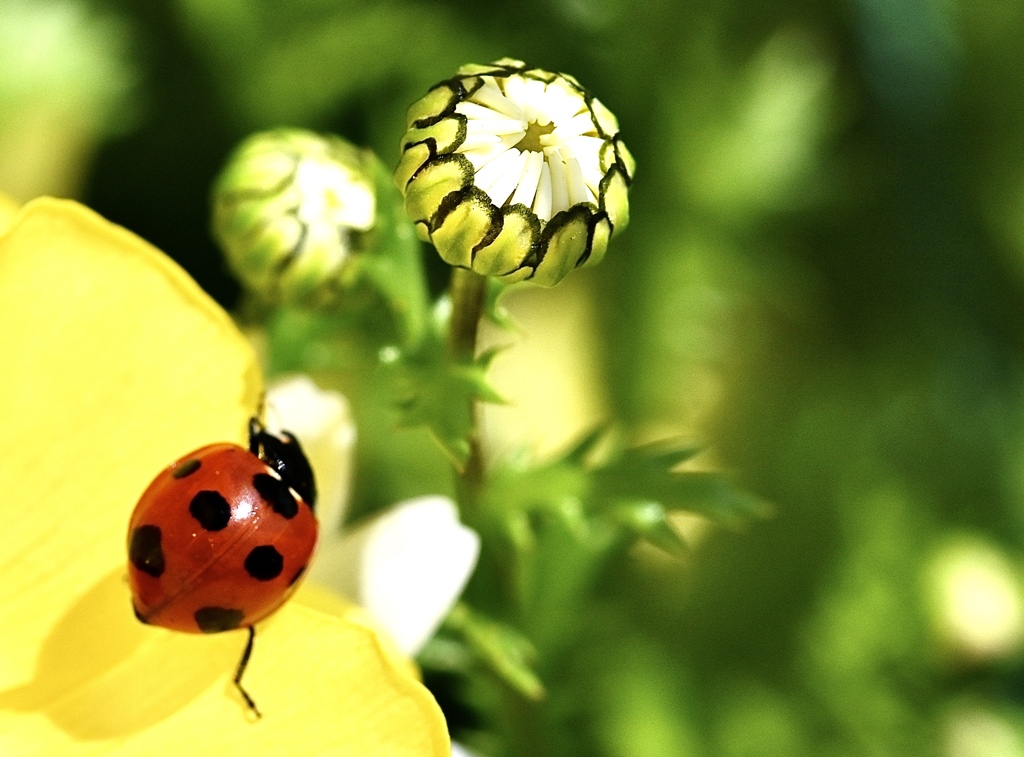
(467, 295)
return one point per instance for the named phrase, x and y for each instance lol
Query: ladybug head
(284, 454)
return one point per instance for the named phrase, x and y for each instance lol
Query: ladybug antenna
(240, 671)
(256, 432)
(273, 416)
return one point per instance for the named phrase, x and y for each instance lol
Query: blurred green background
(822, 282)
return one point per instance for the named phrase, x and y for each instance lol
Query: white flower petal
(491, 96)
(587, 150)
(561, 103)
(584, 145)
(497, 126)
(542, 117)
(533, 92)
(473, 110)
(407, 567)
(490, 174)
(322, 422)
(481, 157)
(574, 127)
(480, 139)
(515, 88)
(528, 183)
(574, 180)
(542, 203)
(559, 182)
(529, 93)
(506, 184)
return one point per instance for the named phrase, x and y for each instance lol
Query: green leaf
(607, 498)
(648, 521)
(442, 652)
(504, 651)
(494, 311)
(647, 473)
(662, 455)
(517, 546)
(585, 446)
(524, 487)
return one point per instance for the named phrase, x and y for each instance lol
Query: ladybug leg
(240, 671)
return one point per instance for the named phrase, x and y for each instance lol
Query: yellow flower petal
(312, 596)
(114, 363)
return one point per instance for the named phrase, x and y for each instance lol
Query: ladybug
(221, 537)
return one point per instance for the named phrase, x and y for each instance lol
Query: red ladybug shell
(218, 541)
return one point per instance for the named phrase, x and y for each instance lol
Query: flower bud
(515, 172)
(291, 209)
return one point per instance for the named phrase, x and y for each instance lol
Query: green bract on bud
(515, 172)
(291, 208)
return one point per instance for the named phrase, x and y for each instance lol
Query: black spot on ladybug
(298, 574)
(277, 494)
(145, 552)
(264, 563)
(187, 468)
(217, 619)
(211, 510)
